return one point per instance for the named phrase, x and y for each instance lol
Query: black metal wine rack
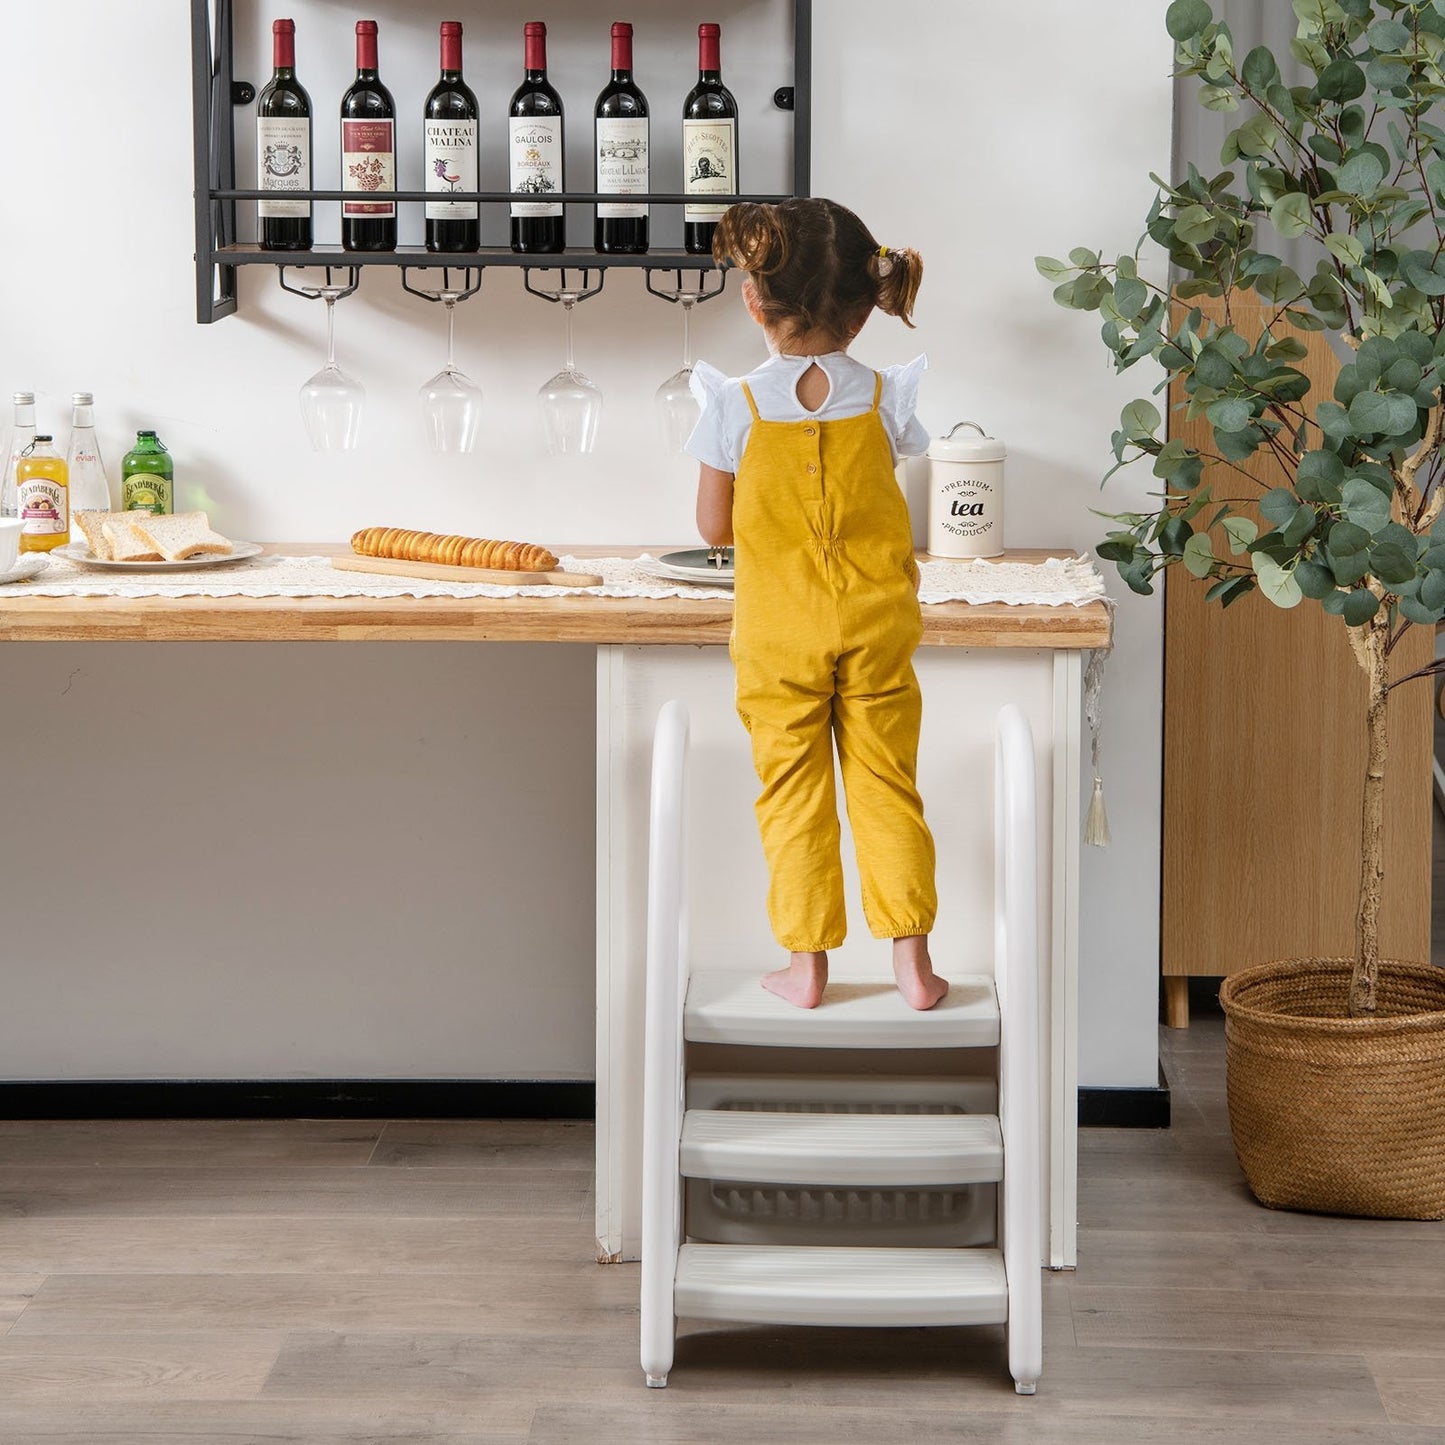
(216, 93)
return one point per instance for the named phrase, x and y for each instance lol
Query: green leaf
(1403, 414)
(1260, 69)
(1050, 269)
(1300, 525)
(1361, 174)
(1365, 505)
(1241, 531)
(1258, 136)
(1370, 413)
(1140, 420)
(1275, 582)
(1195, 225)
(1229, 414)
(1218, 97)
(1278, 506)
(1291, 215)
(1214, 367)
(1424, 271)
(1360, 606)
(1333, 420)
(1198, 554)
(1388, 35)
(1391, 564)
(1314, 580)
(1341, 80)
(1082, 256)
(1184, 19)
(1345, 248)
(1432, 589)
(1347, 540)
(1417, 611)
(1314, 15)
(1130, 294)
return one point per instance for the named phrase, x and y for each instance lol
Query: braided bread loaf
(452, 551)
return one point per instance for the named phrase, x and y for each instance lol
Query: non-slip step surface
(726, 1006)
(768, 1284)
(867, 1150)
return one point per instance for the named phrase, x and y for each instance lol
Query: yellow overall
(825, 624)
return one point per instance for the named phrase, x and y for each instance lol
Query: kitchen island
(974, 659)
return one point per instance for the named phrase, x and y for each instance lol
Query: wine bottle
(368, 152)
(709, 144)
(283, 147)
(621, 154)
(451, 151)
(535, 146)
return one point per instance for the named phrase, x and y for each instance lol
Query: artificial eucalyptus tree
(1354, 159)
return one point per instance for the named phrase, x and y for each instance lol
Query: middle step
(841, 1149)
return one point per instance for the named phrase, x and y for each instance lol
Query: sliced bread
(93, 525)
(187, 534)
(125, 541)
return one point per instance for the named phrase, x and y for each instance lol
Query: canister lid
(980, 448)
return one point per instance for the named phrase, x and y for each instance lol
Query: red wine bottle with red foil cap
(621, 157)
(451, 152)
(534, 141)
(368, 153)
(283, 148)
(709, 145)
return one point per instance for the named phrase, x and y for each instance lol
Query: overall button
(810, 431)
(812, 467)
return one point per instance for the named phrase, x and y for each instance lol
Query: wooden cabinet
(1264, 755)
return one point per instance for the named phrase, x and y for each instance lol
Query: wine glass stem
(567, 313)
(451, 335)
(686, 333)
(331, 331)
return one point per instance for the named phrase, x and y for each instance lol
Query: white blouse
(721, 433)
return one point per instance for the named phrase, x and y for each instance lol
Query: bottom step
(775, 1284)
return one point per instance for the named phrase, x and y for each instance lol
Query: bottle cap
(534, 27)
(709, 32)
(366, 27)
(41, 436)
(24, 398)
(451, 27)
(141, 434)
(82, 398)
(621, 28)
(283, 27)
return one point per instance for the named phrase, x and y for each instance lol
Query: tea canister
(965, 494)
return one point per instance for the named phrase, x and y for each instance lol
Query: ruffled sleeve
(710, 440)
(899, 402)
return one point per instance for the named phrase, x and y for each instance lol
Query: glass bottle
(89, 485)
(147, 476)
(21, 435)
(42, 485)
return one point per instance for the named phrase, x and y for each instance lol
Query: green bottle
(147, 477)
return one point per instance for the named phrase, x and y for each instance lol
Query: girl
(797, 475)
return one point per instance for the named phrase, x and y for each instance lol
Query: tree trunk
(1371, 652)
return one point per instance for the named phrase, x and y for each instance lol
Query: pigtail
(751, 237)
(896, 275)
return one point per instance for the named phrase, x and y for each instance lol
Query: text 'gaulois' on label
(536, 163)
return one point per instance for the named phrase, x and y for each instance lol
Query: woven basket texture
(1334, 1114)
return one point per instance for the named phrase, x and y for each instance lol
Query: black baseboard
(409, 1099)
(299, 1099)
(1139, 1108)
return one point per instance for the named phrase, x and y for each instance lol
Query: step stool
(839, 1196)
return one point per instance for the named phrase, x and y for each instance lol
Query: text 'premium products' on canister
(965, 494)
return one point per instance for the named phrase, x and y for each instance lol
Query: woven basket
(1335, 1114)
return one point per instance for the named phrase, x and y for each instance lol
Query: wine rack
(217, 93)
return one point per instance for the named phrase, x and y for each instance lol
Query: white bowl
(9, 543)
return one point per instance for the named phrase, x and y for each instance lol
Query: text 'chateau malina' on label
(451, 151)
(535, 145)
(368, 152)
(283, 148)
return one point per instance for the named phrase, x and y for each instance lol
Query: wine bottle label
(368, 163)
(622, 168)
(535, 143)
(283, 163)
(709, 164)
(451, 165)
(44, 508)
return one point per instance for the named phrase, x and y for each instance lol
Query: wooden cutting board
(506, 577)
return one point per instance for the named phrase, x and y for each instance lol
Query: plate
(32, 564)
(80, 552)
(693, 566)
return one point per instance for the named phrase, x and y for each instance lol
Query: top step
(728, 1006)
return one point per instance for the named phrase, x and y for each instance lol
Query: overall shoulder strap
(877, 389)
(752, 405)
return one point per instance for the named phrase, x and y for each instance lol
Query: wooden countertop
(592, 620)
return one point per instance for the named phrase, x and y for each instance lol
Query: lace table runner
(1061, 581)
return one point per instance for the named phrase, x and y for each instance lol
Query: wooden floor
(302, 1282)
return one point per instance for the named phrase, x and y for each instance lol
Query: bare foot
(802, 982)
(913, 968)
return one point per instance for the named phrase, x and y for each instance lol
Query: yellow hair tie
(882, 251)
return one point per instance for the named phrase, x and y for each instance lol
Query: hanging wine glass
(677, 408)
(571, 405)
(332, 401)
(451, 403)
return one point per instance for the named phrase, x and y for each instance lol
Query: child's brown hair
(816, 266)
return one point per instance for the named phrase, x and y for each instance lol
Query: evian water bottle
(965, 494)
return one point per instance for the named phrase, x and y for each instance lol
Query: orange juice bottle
(42, 484)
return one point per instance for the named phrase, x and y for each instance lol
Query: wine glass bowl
(677, 408)
(331, 401)
(571, 404)
(451, 402)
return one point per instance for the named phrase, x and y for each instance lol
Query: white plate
(32, 564)
(80, 552)
(693, 566)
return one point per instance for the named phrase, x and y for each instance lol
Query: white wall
(449, 932)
